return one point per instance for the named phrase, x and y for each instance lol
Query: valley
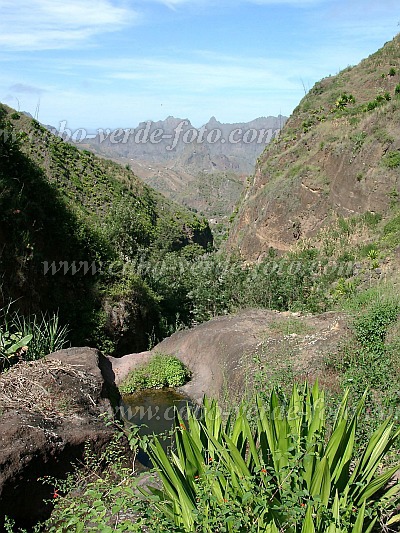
(205, 168)
(262, 282)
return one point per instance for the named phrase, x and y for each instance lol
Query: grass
(34, 336)
(391, 160)
(290, 326)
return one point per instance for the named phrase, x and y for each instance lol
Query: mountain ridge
(174, 142)
(196, 167)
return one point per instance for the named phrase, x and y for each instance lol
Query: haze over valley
(202, 168)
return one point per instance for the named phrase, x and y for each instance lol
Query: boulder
(220, 353)
(49, 410)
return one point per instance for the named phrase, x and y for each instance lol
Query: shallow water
(154, 411)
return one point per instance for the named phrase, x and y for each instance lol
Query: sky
(115, 63)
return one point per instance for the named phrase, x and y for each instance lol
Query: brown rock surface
(219, 352)
(49, 409)
(327, 163)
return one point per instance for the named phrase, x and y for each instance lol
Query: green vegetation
(379, 100)
(369, 361)
(27, 338)
(344, 100)
(289, 471)
(74, 224)
(161, 371)
(289, 459)
(392, 159)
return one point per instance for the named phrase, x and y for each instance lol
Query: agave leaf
(394, 520)
(309, 465)
(267, 436)
(392, 495)
(340, 475)
(371, 526)
(317, 420)
(342, 411)
(236, 460)
(19, 344)
(271, 528)
(377, 484)
(166, 507)
(191, 457)
(377, 447)
(334, 447)
(358, 526)
(175, 484)
(212, 418)
(294, 412)
(238, 437)
(308, 524)
(194, 429)
(254, 458)
(321, 481)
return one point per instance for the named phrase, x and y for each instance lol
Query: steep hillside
(337, 156)
(70, 224)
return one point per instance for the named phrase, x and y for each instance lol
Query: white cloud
(55, 24)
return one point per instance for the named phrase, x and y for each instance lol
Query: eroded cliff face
(338, 155)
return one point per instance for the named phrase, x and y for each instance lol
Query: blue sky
(114, 63)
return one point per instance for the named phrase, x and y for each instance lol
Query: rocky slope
(337, 156)
(221, 352)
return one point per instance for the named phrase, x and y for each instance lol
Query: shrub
(161, 371)
(367, 361)
(393, 226)
(344, 100)
(379, 100)
(372, 105)
(372, 327)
